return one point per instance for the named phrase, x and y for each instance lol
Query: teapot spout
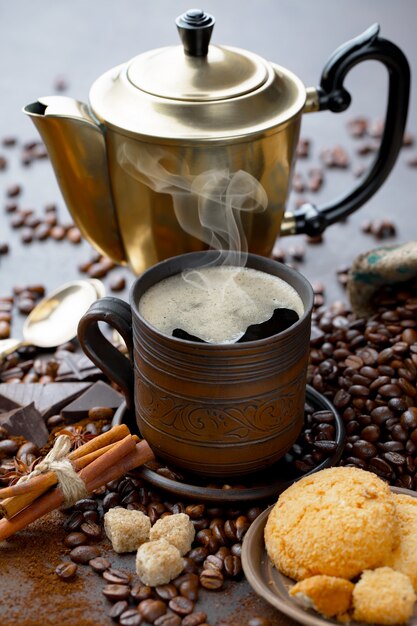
(77, 149)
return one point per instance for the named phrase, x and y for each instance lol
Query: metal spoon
(54, 319)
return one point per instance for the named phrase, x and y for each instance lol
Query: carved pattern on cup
(260, 417)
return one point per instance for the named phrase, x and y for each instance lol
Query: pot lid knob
(195, 28)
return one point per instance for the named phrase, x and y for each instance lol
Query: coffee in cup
(217, 304)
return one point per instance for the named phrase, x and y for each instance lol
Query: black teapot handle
(98, 348)
(333, 96)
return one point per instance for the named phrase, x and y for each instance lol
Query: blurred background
(62, 47)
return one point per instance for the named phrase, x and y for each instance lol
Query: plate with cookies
(339, 546)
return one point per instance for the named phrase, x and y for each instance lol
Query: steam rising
(208, 206)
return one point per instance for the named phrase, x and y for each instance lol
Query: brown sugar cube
(383, 596)
(158, 562)
(177, 529)
(126, 529)
(327, 595)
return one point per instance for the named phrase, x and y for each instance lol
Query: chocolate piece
(48, 398)
(27, 422)
(99, 394)
(76, 367)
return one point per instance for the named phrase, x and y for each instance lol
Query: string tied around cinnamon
(71, 484)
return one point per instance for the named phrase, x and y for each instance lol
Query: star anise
(20, 469)
(77, 434)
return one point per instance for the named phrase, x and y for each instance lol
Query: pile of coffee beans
(214, 559)
(368, 368)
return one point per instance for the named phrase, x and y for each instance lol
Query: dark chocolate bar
(48, 398)
(76, 367)
(98, 395)
(26, 422)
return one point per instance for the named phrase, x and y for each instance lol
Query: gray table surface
(43, 40)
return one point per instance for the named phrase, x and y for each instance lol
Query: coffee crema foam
(216, 303)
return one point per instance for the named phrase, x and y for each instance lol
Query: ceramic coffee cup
(219, 410)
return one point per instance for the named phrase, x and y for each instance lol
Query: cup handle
(113, 363)
(332, 95)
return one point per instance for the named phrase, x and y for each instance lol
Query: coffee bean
(233, 566)
(381, 414)
(73, 540)
(195, 511)
(4, 330)
(364, 449)
(116, 577)
(8, 447)
(131, 617)
(390, 446)
(380, 467)
(117, 609)
(189, 588)
(110, 501)
(169, 619)
(398, 405)
(206, 538)
(409, 418)
(54, 420)
(341, 399)
(326, 446)
(100, 413)
(371, 433)
(74, 236)
(219, 534)
(390, 391)
(236, 549)
(394, 457)
(100, 564)
(194, 619)
(57, 232)
(118, 283)
(84, 554)
(211, 579)
(13, 190)
(140, 592)
(93, 517)
(166, 592)
(97, 270)
(181, 605)
(74, 521)
(66, 571)
(114, 593)
(213, 561)
(86, 504)
(91, 529)
(150, 609)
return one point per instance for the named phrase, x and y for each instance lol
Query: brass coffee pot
(182, 136)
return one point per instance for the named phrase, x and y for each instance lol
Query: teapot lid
(197, 72)
(196, 91)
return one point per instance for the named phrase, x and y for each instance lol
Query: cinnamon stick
(32, 489)
(51, 500)
(93, 447)
(114, 434)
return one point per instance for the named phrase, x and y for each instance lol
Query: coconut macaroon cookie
(337, 522)
(330, 596)
(404, 557)
(383, 596)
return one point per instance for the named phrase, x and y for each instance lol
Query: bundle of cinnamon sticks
(105, 458)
